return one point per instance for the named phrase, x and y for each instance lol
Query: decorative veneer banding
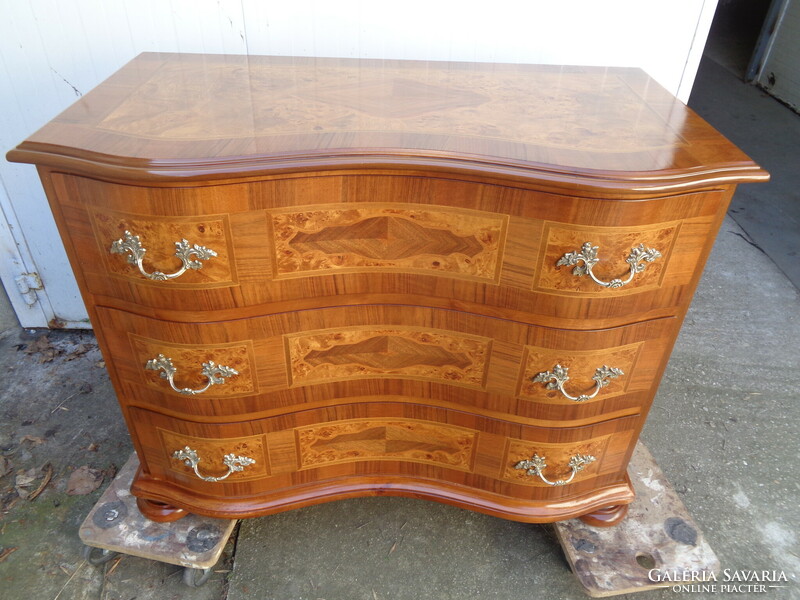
(389, 278)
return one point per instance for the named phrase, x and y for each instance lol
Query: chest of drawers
(316, 279)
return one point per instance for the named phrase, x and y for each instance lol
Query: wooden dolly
(658, 533)
(115, 526)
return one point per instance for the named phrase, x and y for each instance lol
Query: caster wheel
(195, 577)
(98, 556)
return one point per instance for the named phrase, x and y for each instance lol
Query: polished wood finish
(291, 361)
(503, 244)
(384, 285)
(169, 117)
(606, 517)
(160, 512)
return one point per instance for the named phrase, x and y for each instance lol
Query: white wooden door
(52, 51)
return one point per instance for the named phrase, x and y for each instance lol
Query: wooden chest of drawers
(317, 278)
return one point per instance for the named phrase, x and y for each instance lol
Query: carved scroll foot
(159, 511)
(607, 516)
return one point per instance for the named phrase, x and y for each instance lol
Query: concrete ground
(723, 429)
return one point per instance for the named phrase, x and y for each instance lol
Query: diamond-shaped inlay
(392, 236)
(388, 352)
(396, 98)
(382, 439)
(420, 353)
(386, 238)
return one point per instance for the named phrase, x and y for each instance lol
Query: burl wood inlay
(379, 439)
(408, 352)
(394, 237)
(385, 216)
(614, 247)
(322, 97)
(582, 366)
(212, 452)
(188, 361)
(158, 236)
(557, 456)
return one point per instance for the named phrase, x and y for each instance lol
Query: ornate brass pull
(559, 376)
(133, 246)
(233, 462)
(537, 464)
(588, 256)
(211, 370)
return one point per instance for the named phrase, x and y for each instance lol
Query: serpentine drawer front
(431, 240)
(290, 361)
(315, 279)
(334, 451)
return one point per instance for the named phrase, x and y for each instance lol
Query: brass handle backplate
(556, 379)
(587, 255)
(536, 465)
(233, 462)
(132, 245)
(214, 372)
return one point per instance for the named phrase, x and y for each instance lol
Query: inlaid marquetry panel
(394, 237)
(582, 366)
(384, 439)
(329, 96)
(557, 458)
(368, 351)
(188, 361)
(212, 452)
(614, 247)
(158, 236)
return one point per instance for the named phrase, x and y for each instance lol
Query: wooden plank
(116, 524)
(658, 533)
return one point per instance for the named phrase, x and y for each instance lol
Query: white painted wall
(52, 51)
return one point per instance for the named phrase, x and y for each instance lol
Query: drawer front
(282, 363)
(410, 240)
(385, 440)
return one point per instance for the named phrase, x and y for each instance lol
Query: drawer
(282, 363)
(377, 445)
(266, 246)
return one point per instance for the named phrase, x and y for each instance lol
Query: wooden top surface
(165, 116)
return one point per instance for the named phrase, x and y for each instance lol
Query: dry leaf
(111, 471)
(42, 346)
(32, 439)
(100, 364)
(93, 447)
(48, 475)
(84, 481)
(24, 480)
(77, 352)
(10, 500)
(5, 466)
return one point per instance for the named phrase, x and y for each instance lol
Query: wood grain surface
(200, 116)
(368, 449)
(289, 362)
(387, 279)
(442, 242)
(396, 237)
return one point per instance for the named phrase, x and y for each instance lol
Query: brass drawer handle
(133, 246)
(214, 372)
(559, 376)
(233, 462)
(537, 464)
(588, 256)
